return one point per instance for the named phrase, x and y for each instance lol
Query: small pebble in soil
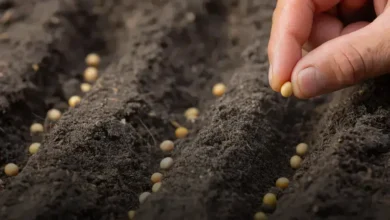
(282, 183)
(269, 199)
(34, 147)
(143, 197)
(54, 114)
(131, 214)
(85, 87)
(36, 128)
(181, 132)
(166, 163)
(92, 59)
(74, 101)
(219, 89)
(167, 146)
(260, 216)
(11, 169)
(156, 177)
(191, 113)
(295, 161)
(91, 74)
(156, 187)
(302, 149)
(286, 89)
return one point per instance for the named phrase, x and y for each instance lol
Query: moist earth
(160, 57)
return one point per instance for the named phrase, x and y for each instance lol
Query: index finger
(292, 23)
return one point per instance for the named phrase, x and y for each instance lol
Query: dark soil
(155, 64)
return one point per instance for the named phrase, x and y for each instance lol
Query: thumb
(345, 60)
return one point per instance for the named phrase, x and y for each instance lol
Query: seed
(11, 169)
(156, 187)
(85, 87)
(156, 177)
(166, 163)
(260, 216)
(92, 59)
(54, 114)
(191, 113)
(131, 214)
(269, 199)
(190, 16)
(35, 67)
(36, 128)
(295, 161)
(91, 74)
(219, 89)
(181, 132)
(302, 149)
(286, 89)
(282, 182)
(143, 197)
(167, 145)
(74, 101)
(34, 147)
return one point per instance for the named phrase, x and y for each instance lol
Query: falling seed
(295, 161)
(219, 89)
(92, 59)
(156, 187)
(166, 163)
(260, 216)
(85, 87)
(143, 197)
(286, 89)
(74, 101)
(36, 128)
(131, 214)
(35, 67)
(191, 113)
(282, 183)
(156, 177)
(167, 146)
(91, 74)
(269, 199)
(11, 169)
(181, 132)
(54, 114)
(302, 149)
(34, 147)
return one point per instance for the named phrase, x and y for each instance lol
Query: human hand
(340, 55)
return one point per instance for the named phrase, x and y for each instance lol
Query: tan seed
(181, 132)
(190, 16)
(167, 146)
(286, 89)
(35, 67)
(54, 114)
(156, 177)
(191, 113)
(11, 169)
(302, 149)
(282, 183)
(269, 199)
(91, 74)
(36, 128)
(219, 89)
(143, 197)
(156, 187)
(166, 163)
(131, 214)
(295, 161)
(34, 147)
(74, 101)
(260, 216)
(92, 59)
(85, 87)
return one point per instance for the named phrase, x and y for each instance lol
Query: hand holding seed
(347, 41)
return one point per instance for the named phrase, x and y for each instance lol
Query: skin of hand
(338, 55)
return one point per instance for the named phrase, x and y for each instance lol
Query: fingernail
(307, 82)
(270, 74)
